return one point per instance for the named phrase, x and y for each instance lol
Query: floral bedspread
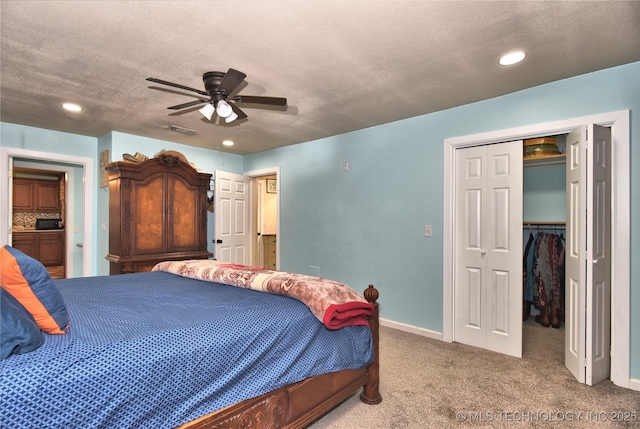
(335, 304)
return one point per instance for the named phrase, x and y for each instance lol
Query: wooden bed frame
(297, 405)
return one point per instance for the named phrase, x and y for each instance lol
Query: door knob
(483, 252)
(218, 241)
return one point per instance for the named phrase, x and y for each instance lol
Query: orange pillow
(29, 282)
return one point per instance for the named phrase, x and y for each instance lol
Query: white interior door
(488, 247)
(587, 260)
(231, 218)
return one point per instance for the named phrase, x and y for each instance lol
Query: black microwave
(49, 224)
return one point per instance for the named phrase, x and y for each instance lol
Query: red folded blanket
(335, 304)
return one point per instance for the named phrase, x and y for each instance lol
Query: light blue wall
(544, 194)
(366, 226)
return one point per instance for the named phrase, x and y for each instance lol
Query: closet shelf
(544, 223)
(545, 161)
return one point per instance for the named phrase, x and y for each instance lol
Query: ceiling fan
(218, 89)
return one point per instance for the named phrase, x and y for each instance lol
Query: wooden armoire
(157, 212)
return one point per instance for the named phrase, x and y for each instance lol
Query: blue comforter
(155, 350)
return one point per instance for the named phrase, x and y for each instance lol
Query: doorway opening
(264, 221)
(39, 215)
(544, 238)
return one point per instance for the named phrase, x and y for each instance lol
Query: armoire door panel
(148, 216)
(184, 218)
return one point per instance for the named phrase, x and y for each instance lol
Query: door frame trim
(67, 169)
(619, 122)
(6, 165)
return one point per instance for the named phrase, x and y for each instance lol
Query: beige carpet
(427, 383)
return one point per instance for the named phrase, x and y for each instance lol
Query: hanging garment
(544, 268)
(554, 270)
(527, 268)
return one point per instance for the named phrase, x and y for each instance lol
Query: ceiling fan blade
(236, 109)
(274, 101)
(176, 85)
(231, 80)
(189, 104)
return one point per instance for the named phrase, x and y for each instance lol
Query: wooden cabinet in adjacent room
(157, 212)
(44, 246)
(36, 195)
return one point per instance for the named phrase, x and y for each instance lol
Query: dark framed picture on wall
(271, 186)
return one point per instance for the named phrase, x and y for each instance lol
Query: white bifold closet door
(488, 247)
(587, 254)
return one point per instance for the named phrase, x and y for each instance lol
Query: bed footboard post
(371, 390)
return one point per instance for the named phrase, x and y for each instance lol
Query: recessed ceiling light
(512, 58)
(227, 143)
(71, 107)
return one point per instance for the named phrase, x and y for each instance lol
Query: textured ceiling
(342, 65)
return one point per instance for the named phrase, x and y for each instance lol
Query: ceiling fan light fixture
(207, 111)
(224, 110)
(232, 117)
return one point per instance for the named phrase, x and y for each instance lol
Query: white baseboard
(634, 384)
(411, 329)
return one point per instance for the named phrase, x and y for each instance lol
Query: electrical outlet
(427, 230)
(345, 166)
